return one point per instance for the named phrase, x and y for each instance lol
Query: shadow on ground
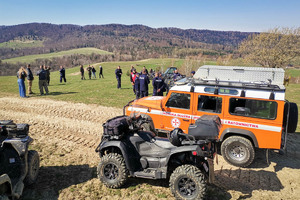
(60, 93)
(53, 179)
(290, 157)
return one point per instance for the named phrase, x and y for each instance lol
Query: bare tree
(275, 48)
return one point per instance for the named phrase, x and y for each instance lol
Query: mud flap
(211, 178)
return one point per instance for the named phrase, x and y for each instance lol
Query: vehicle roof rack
(237, 84)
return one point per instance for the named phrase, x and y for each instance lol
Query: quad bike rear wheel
(188, 182)
(33, 167)
(112, 170)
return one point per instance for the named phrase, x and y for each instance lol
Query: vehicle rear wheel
(33, 167)
(112, 170)
(188, 182)
(238, 151)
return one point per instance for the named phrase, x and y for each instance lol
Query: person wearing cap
(193, 73)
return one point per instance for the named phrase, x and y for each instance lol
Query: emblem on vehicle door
(175, 122)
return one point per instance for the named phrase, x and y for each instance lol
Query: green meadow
(31, 58)
(18, 44)
(95, 91)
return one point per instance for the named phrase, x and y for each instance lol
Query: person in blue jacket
(118, 73)
(176, 75)
(62, 72)
(144, 81)
(158, 85)
(21, 78)
(43, 84)
(137, 86)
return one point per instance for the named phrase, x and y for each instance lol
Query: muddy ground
(66, 135)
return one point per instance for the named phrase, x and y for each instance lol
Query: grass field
(18, 44)
(94, 91)
(31, 58)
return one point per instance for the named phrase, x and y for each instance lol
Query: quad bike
(185, 159)
(18, 165)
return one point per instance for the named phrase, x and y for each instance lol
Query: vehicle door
(207, 104)
(177, 110)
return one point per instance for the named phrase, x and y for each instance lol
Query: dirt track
(66, 135)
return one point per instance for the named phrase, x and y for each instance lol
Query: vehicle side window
(253, 108)
(209, 104)
(179, 100)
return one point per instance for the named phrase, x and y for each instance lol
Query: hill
(32, 58)
(136, 41)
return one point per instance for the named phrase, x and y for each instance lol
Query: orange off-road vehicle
(249, 101)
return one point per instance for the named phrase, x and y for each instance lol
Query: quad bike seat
(157, 147)
(163, 143)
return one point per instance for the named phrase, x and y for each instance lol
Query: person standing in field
(30, 78)
(144, 81)
(132, 79)
(118, 73)
(48, 74)
(82, 72)
(158, 85)
(89, 69)
(144, 69)
(21, 81)
(94, 71)
(137, 86)
(132, 68)
(101, 71)
(62, 72)
(43, 80)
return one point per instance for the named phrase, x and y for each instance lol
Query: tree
(275, 48)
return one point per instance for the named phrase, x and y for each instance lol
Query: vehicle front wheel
(238, 151)
(33, 167)
(188, 182)
(112, 170)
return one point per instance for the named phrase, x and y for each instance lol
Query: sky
(223, 15)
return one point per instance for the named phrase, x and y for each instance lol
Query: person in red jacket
(132, 79)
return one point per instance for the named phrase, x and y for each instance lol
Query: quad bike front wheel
(33, 167)
(188, 182)
(112, 170)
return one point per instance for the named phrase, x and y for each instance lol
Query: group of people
(140, 82)
(44, 79)
(91, 71)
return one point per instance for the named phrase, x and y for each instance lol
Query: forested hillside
(136, 41)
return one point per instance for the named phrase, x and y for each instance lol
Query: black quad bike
(18, 165)
(185, 159)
